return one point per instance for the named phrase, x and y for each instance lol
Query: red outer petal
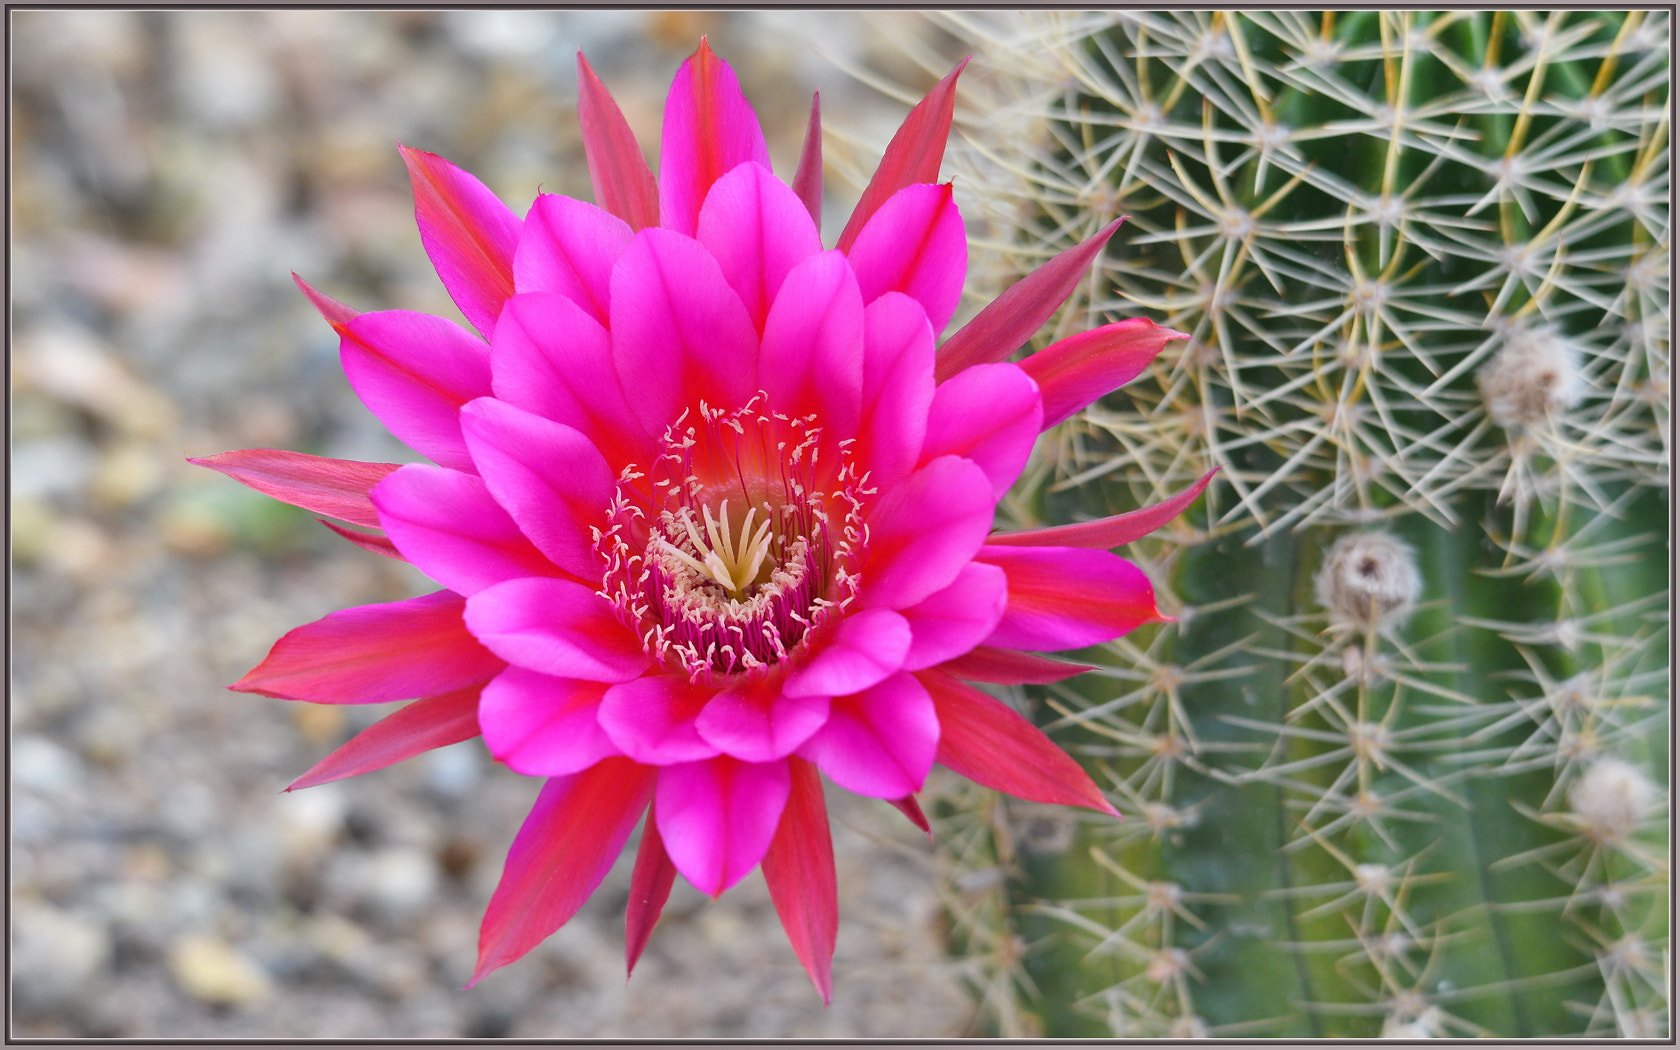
(808, 177)
(709, 128)
(1071, 373)
(562, 852)
(334, 311)
(468, 233)
(376, 653)
(1111, 531)
(337, 488)
(650, 888)
(912, 156)
(984, 663)
(799, 869)
(912, 809)
(1006, 324)
(1068, 597)
(367, 541)
(985, 741)
(620, 174)
(436, 721)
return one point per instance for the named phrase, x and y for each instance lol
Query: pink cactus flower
(711, 511)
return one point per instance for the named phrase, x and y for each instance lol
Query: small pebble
(211, 971)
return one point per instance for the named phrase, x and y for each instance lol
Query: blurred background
(171, 169)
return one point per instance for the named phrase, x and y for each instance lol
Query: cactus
(1399, 768)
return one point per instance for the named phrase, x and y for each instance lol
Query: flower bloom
(711, 508)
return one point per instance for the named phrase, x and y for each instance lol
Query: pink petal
(568, 247)
(543, 726)
(620, 174)
(557, 627)
(335, 312)
(709, 128)
(562, 852)
(376, 653)
(757, 230)
(989, 414)
(954, 620)
(880, 742)
(983, 740)
(650, 888)
(756, 722)
(553, 359)
(433, 722)
(799, 870)
(868, 646)
(1073, 372)
(414, 372)
(468, 233)
(916, 245)
(1008, 667)
(924, 530)
(717, 817)
(334, 487)
(1110, 531)
(812, 360)
(1068, 597)
(808, 177)
(1006, 324)
(376, 542)
(547, 476)
(680, 334)
(897, 386)
(651, 719)
(450, 527)
(912, 156)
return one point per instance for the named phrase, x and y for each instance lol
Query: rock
(401, 881)
(42, 766)
(56, 955)
(212, 971)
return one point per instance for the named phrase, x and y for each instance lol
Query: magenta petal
(651, 719)
(375, 653)
(335, 487)
(330, 309)
(552, 358)
(808, 177)
(562, 852)
(952, 621)
(432, 722)
(989, 414)
(755, 722)
(543, 726)
(912, 156)
(1073, 372)
(812, 359)
(556, 627)
(916, 245)
(680, 334)
(546, 475)
(1008, 667)
(568, 247)
(1068, 597)
(799, 870)
(450, 527)
(468, 233)
(757, 230)
(880, 742)
(650, 888)
(717, 817)
(924, 530)
(1110, 531)
(897, 386)
(709, 129)
(414, 372)
(620, 174)
(868, 646)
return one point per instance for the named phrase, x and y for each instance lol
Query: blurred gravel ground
(169, 170)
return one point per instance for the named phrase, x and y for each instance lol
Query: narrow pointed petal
(368, 541)
(799, 870)
(337, 488)
(912, 156)
(543, 726)
(984, 663)
(717, 817)
(1073, 372)
(897, 387)
(924, 530)
(432, 722)
(808, 177)
(453, 530)
(757, 230)
(376, 653)
(1111, 531)
(1068, 597)
(756, 722)
(1005, 325)
(651, 719)
(414, 372)
(468, 233)
(868, 647)
(912, 810)
(989, 414)
(983, 740)
(650, 888)
(709, 129)
(954, 620)
(335, 312)
(556, 627)
(880, 742)
(916, 245)
(620, 174)
(814, 345)
(568, 247)
(562, 852)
